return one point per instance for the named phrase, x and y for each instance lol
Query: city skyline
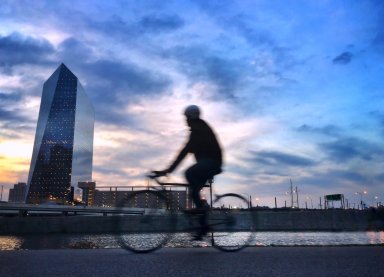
(292, 88)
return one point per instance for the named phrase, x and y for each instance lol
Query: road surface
(256, 261)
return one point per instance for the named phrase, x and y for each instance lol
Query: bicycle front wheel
(231, 222)
(145, 221)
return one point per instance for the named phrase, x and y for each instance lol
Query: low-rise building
(113, 198)
(17, 193)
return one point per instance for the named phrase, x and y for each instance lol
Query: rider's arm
(179, 158)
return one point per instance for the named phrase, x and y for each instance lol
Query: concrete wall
(319, 220)
(268, 220)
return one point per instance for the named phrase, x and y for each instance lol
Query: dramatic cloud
(19, 49)
(281, 159)
(329, 130)
(10, 114)
(343, 58)
(346, 149)
(74, 51)
(9, 98)
(160, 23)
(200, 65)
(129, 77)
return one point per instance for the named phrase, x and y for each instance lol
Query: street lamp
(311, 201)
(361, 197)
(374, 201)
(257, 202)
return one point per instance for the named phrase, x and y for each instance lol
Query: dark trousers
(198, 175)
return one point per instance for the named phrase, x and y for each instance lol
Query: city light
(257, 201)
(362, 205)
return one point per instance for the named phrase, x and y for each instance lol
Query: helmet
(192, 112)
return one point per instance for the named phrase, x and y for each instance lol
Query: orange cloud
(13, 170)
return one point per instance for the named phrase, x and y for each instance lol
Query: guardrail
(28, 209)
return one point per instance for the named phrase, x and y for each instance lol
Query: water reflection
(10, 243)
(183, 240)
(318, 238)
(375, 237)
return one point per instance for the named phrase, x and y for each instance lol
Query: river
(61, 241)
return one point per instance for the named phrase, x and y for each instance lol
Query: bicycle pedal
(197, 238)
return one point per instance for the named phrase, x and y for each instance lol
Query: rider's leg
(197, 175)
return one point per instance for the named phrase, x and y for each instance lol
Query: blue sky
(293, 89)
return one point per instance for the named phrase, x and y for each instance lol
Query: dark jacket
(202, 143)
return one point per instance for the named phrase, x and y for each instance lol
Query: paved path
(263, 261)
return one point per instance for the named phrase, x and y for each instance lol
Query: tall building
(88, 195)
(17, 193)
(63, 149)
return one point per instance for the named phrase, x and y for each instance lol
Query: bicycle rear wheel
(145, 222)
(231, 222)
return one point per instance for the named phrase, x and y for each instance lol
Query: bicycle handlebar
(155, 174)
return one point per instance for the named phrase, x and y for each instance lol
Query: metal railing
(7, 209)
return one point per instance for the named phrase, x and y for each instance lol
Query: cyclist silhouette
(207, 151)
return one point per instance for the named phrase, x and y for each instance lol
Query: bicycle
(229, 219)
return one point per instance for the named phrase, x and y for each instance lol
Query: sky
(294, 89)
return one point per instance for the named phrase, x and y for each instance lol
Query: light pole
(361, 198)
(375, 202)
(257, 202)
(249, 199)
(311, 201)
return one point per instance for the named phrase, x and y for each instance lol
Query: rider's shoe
(201, 233)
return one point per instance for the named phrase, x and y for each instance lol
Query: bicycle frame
(163, 185)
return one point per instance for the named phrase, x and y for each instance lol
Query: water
(183, 240)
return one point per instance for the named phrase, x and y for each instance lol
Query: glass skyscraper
(63, 149)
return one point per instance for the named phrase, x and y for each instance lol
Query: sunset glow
(293, 89)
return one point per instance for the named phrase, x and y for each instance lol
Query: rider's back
(203, 142)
